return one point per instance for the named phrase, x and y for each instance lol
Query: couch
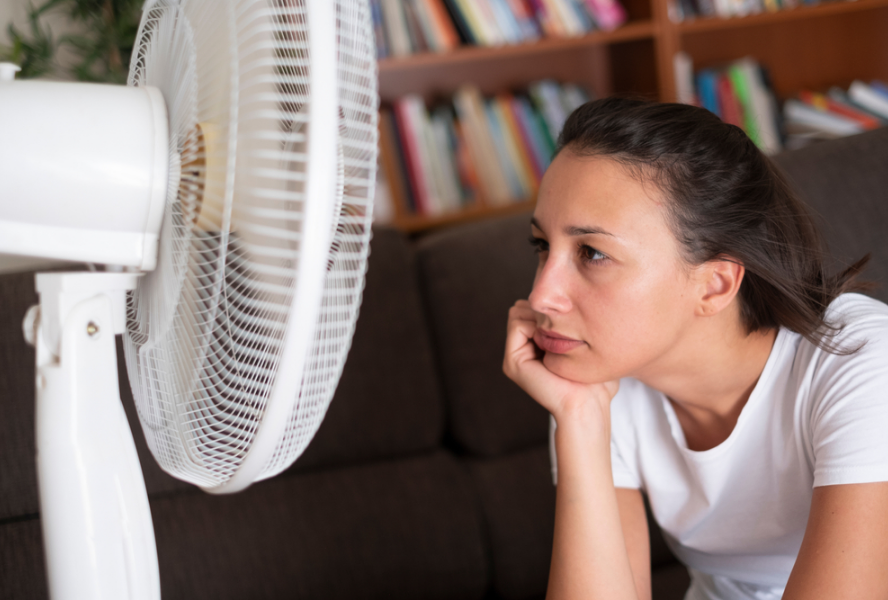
(430, 475)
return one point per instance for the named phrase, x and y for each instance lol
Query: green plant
(103, 50)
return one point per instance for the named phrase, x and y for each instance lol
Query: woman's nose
(549, 294)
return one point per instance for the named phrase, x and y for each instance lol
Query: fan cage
(206, 328)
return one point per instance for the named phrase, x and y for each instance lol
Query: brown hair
(727, 201)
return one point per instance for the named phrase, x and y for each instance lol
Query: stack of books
(740, 93)
(406, 27)
(815, 116)
(474, 150)
(682, 10)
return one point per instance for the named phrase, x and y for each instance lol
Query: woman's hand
(523, 364)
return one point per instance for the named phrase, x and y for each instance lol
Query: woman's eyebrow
(574, 231)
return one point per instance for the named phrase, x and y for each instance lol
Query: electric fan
(227, 192)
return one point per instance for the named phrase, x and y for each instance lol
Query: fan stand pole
(97, 530)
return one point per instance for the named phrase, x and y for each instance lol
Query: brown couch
(430, 475)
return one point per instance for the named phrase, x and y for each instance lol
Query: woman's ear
(720, 281)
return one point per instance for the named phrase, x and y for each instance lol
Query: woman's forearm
(589, 558)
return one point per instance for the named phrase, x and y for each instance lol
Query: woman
(688, 345)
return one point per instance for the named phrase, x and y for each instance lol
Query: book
(864, 95)
(468, 176)
(442, 23)
(515, 146)
(470, 109)
(411, 142)
(418, 41)
(378, 29)
(838, 94)
(740, 83)
(683, 68)
(880, 87)
(530, 29)
(496, 35)
(442, 156)
(763, 112)
(503, 152)
(707, 89)
(529, 137)
(466, 35)
(730, 108)
(506, 21)
(796, 111)
(396, 27)
(824, 103)
(392, 162)
(545, 96)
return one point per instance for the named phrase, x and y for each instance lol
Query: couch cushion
(518, 502)
(21, 561)
(470, 276)
(389, 401)
(397, 529)
(18, 467)
(845, 182)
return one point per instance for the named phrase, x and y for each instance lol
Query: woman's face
(612, 295)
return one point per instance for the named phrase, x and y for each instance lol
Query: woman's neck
(710, 376)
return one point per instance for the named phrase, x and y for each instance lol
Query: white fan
(228, 192)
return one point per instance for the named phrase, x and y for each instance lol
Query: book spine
(414, 31)
(528, 138)
(396, 27)
(393, 164)
(609, 14)
(514, 149)
(410, 142)
(741, 89)
(825, 103)
(473, 15)
(495, 32)
(462, 24)
(522, 145)
(865, 96)
(505, 21)
(378, 29)
(443, 24)
(542, 145)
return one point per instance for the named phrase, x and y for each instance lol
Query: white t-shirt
(736, 514)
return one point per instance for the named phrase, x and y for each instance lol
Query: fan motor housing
(84, 171)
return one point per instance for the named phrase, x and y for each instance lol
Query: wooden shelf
(832, 8)
(636, 30)
(416, 223)
(810, 46)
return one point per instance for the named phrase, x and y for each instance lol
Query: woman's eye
(539, 244)
(589, 254)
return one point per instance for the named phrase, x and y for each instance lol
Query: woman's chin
(570, 368)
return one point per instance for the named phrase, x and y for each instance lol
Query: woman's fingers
(523, 364)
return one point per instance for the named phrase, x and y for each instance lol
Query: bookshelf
(810, 46)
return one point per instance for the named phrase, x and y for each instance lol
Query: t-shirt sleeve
(849, 418)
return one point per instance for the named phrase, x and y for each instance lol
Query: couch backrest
(845, 182)
(470, 277)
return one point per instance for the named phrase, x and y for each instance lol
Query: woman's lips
(550, 341)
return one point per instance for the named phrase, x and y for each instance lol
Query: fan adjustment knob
(8, 71)
(30, 325)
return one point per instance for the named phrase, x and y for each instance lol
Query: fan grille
(206, 328)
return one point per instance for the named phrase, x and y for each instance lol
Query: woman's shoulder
(853, 310)
(860, 322)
